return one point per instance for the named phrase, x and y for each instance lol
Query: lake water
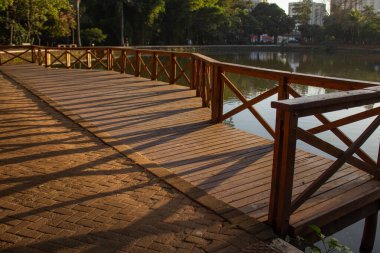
(361, 66)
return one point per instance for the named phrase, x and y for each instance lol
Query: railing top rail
(307, 79)
(206, 58)
(2, 47)
(276, 75)
(305, 106)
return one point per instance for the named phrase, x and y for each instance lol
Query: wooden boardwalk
(168, 125)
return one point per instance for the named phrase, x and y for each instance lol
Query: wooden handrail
(305, 106)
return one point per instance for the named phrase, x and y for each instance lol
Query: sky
(284, 3)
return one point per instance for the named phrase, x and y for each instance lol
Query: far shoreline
(270, 47)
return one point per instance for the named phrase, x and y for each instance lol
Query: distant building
(318, 12)
(353, 4)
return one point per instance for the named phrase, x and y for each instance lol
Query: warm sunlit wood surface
(167, 124)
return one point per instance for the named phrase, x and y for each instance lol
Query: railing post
(193, 73)
(283, 171)
(199, 78)
(138, 63)
(378, 158)
(109, 59)
(202, 84)
(89, 59)
(33, 54)
(68, 59)
(123, 61)
(47, 58)
(283, 91)
(217, 94)
(154, 67)
(173, 68)
(369, 234)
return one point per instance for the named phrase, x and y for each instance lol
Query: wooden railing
(288, 131)
(210, 78)
(16, 54)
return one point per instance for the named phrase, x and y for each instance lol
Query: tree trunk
(78, 24)
(11, 35)
(122, 24)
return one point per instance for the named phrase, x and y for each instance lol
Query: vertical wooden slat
(199, 78)
(217, 95)
(123, 60)
(109, 59)
(283, 91)
(282, 94)
(283, 171)
(369, 234)
(138, 63)
(378, 157)
(173, 68)
(203, 84)
(89, 59)
(193, 73)
(33, 54)
(68, 59)
(154, 66)
(47, 58)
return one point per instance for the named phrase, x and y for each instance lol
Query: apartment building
(318, 12)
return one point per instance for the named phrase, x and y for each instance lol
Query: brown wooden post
(138, 63)
(217, 94)
(89, 59)
(193, 73)
(173, 68)
(123, 58)
(199, 78)
(109, 59)
(202, 84)
(283, 92)
(378, 157)
(369, 234)
(283, 171)
(154, 66)
(47, 58)
(33, 54)
(68, 59)
(39, 56)
(277, 149)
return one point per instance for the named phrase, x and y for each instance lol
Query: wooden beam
(369, 234)
(283, 171)
(217, 99)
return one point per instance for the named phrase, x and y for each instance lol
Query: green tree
(27, 20)
(273, 20)
(239, 24)
(142, 17)
(91, 35)
(176, 22)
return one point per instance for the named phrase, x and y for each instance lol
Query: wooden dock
(169, 125)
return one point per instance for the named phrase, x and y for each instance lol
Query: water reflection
(361, 66)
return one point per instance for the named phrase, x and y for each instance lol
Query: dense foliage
(171, 22)
(116, 22)
(30, 20)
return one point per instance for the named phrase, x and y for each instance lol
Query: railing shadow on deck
(211, 78)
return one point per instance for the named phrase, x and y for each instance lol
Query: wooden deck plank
(167, 124)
